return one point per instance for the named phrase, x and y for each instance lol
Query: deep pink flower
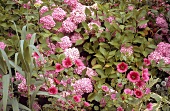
(35, 55)
(67, 62)
(147, 90)
(58, 67)
(140, 84)
(128, 91)
(105, 88)
(52, 90)
(120, 109)
(77, 98)
(133, 76)
(146, 62)
(56, 81)
(122, 67)
(79, 63)
(86, 104)
(120, 84)
(138, 93)
(149, 106)
(145, 74)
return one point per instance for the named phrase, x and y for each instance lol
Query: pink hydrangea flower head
(79, 70)
(36, 106)
(43, 10)
(120, 109)
(146, 62)
(128, 51)
(161, 22)
(138, 93)
(75, 37)
(72, 3)
(78, 16)
(52, 90)
(72, 53)
(67, 62)
(105, 88)
(59, 14)
(133, 76)
(68, 26)
(78, 62)
(149, 106)
(18, 76)
(122, 67)
(128, 91)
(86, 104)
(47, 22)
(90, 72)
(82, 86)
(65, 42)
(2, 45)
(58, 67)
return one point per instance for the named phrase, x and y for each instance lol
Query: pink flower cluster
(68, 25)
(161, 22)
(126, 50)
(78, 16)
(72, 53)
(65, 42)
(72, 3)
(75, 37)
(58, 14)
(2, 45)
(47, 22)
(82, 86)
(43, 10)
(90, 72)
(161, 52)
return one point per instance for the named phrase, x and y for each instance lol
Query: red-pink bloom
(105, 88)
(146, 62)
(35, 55)
(58, 67)
(145, 74)
(120, 85)
(56, 81)
(53, 90)
(77, 98)
(120, 109)
(86, 104)
(133, 76)
(147, 90)
(122, 67)
(138, 93)
(79, 63)
(128, 91)
(140, 84)
(113, 96)
(149, 106)
(67, 62)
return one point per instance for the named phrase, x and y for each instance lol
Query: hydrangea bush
(84, 55)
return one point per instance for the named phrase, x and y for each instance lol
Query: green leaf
(142, 22)
(157, 97)
(5, 81)
(79, 42)
(97, 66)
(23, 33)
(152, 46)
(103, 51)
(87, 12)
(15, 105)
(91, 96)
(152, 82)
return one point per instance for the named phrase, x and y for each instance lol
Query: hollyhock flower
(47, 22)
(133, 76)
(79, 63)
(146, 62)
(105, 88)
(58, 67)
(149, 106)
(77, 98)
(2, 45)
(122, 67)
(43, 10)
(128, 91)
(86, 104)
(67, 62)
(65, 42)
(145, 74)
(52, 90)
(140, 84)
(56, 81)
(113, 96)
(59, 14)
(72, 53)
(68, 26)
(138, 93)
(120, 109)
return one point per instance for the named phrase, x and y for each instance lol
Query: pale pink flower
(59, 14)
(105, 88)
(75, 37)
(36, 106)
(147, 90)
(43, 10)
(90, 72)
(113, 96)
(47, 22)
(78, 16)
(79, 70)
(68, 26)
(128, 51)
(2, 45)
(86, 104)
(72, 53)
(65, 42)
(28, 36)
(128, 91)
(149, 106)
(72, 3)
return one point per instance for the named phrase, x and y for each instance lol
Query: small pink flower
(128, 91)
(149, 106)
(58, 67)
(147, 90)
(120, 109)
(113, 96)
(77, 98)
(86, 104)
(2, 45)
(56, 81)
(79, 63)
(122, 67)
(67, 62)
(52, 90)
(146, 62)
(35, 55)
(120, 85)
(138, 93)
(133, 76)
(140, 84)
(105, 88)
